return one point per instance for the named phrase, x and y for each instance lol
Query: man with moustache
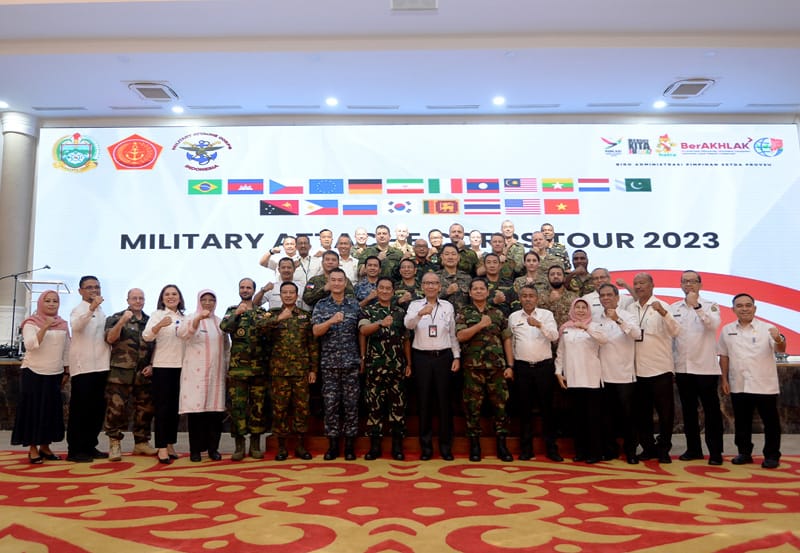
(129, 386)
(467, 259)
(601, 276)
(247, 374)
(559, 299)
(271, 290)
(303, 264)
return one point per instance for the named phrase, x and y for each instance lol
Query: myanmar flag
(561, 207)
(557, 185)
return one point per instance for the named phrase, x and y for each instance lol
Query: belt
(532, 364)
(434, 352)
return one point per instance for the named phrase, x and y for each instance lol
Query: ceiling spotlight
(659, 104)
(331, 101)
(499, 100)
(3, 105)
(177, 109)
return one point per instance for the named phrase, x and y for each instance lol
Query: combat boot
(238, 452)
(255, 446)
(474, 449)
(349, 448)
(333, 448)
(374, 448)
(282, 454)
(300, 451)
(114, 450)
(502, 451)
(144, 448)
(397, 446)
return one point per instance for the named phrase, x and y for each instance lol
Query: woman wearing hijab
(167, 360)
(205, 364)
(40, 412)
(578, 371)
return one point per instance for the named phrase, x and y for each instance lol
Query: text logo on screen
(75, 153)
(768, 147)
(134, 152)
(639, 146)
(202, 150)
(612, 146)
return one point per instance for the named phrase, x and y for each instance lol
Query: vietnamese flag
(561, 207)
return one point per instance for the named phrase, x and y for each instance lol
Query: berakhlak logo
(202, 150)
(134, 152)
(75, 153)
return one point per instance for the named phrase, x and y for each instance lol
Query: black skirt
(40, 410)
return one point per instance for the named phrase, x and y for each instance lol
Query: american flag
(523, 205)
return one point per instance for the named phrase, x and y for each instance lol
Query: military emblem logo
(134, 152)
(75, 153)
(202, 150)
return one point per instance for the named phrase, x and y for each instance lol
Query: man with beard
(467, 259)
(559, 299)
(247, 375)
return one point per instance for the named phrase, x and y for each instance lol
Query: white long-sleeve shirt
(530, 343)
(49, 356)
(654, 352)
(617, 355)
(578, 356)
(442, 317)
(169, 346)
(89, 352)
(696, 345)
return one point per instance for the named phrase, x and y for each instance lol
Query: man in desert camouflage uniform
(293, 366)
(487, 360)
(247, 376)
(386, 359)
(129, 378)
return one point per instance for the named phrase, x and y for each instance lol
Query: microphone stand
(15, 276)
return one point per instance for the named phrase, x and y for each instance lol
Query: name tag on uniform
(433, 331)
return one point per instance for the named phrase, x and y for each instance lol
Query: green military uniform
(295, 354)
(483, 363)
(247, 374)
(315, 290)
(505, 286)
(400, 289)
(560, 251)
(389, 264)
(427, 266)
(559, 307)
(516, 252)
(581, 285)
(460, 298)
(385, 368)
(468, 261)
(540, 283)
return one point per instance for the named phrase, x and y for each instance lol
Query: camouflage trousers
(477, 385)
(121, 399)
(290, 393)
(249, 405)
(340, 393)
(385, 391)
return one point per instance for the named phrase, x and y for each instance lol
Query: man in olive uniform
(487, 361)
(317, 286)
(467, 259)
(558, 299)
(247, 376)
(129, 378)
(293, 366)
(388, 256)
(386, 358)
(501, 290)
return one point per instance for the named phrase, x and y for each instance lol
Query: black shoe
(742, 459)
(447, 455)
(426, 455)
(593, 460)
(35, 460)
(165, 460)
(648, 454)
(525, 456)
(664, 459)
(49, 456)
(770, 464)
(195, 457)
(374, 448)
(97, 454)
(502, 450)
(632, 459)
(333, 449)
(610, 456)
(475, 449)
(579, 458)
(282, 454)
(690, 456)
(214, 455)
(715, 460)
(302, 453)
(349, 448)
(554, 456)
(79, 458)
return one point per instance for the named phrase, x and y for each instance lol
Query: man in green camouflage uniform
(247, 375)
(553, 247)
(558, 300)
(293, 367)
(455, 283)
(486, 360)
(513, 249)
(386, 359)
(580, 280)
(501, 290)
(388, 256)
(317, 286)
(129, 378)
(467, 259)
(508, 267)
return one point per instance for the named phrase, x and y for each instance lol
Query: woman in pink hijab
(205, 365)
(578, 372)
(40, 411)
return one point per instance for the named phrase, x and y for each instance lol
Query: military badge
(75, 153)
(134, 152)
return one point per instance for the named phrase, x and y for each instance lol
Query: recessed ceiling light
(331, 101)
(499, 100)
(3, 105)
(659, 104)
(177, 109)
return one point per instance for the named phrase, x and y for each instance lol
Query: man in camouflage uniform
(487, 360)
(247, 375)
(388, 256)
(580, 280)
(559, 299)
(455, 283)
(421, 260)
(335, 320)
(553, 247)
(293, 366)
(501, 290)
(508, 267)
(317, 286)
(386, 359)
(366, 288)
(513, 249)
(129, 378)
(467, 259)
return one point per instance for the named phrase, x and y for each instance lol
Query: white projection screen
(143, 207)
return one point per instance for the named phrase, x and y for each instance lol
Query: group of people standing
(511, 323)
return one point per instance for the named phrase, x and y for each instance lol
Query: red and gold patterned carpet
(381, 506)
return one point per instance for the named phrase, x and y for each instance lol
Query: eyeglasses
(690, 281)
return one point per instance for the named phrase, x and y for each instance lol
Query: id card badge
(433, 331)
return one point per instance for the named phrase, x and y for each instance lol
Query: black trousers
(655, 392)
(695, 390)
(434, 389)
(619, 418)
(535, 385)
(87, 411)
(588, 421)
(205, 430)
(166, 390)
(767, 406)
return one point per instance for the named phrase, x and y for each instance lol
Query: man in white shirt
(89, 364)
(747, 350)
(618, 372)
(600, 276)
(696, 369)
(303, 264)
(270, 292)
(654, 370)
(289, 245)
(533, 330)
(348, 263)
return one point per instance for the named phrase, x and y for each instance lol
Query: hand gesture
(337, 317)
(486, 321)
(387, 321)
(692, 299)
(126, 316)
(166, 321)
(241, 308)
(285, 313)
(659, 308)
(775, 333)
(452, 288)
(205, 314)
(499, 297)
(427, 310)
(533, 321)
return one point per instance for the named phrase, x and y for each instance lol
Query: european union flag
(326, 186)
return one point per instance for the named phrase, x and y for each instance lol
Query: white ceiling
(70, 60)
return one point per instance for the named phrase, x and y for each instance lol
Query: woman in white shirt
(167, 360)
(578, 371)
(205, 364)
(40, 412)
